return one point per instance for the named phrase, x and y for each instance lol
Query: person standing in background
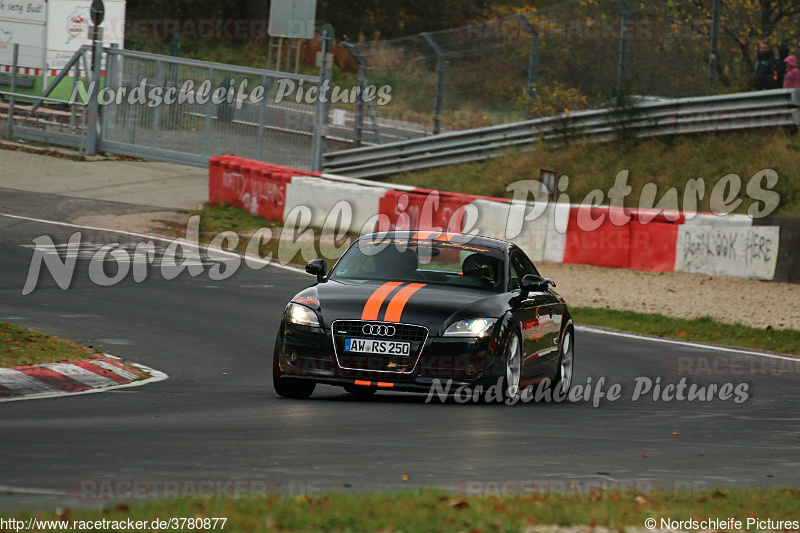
(781, 53)
(791, 79)
(764, 68)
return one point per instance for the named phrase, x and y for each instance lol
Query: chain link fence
(578, 54)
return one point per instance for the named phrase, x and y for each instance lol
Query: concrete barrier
(651, 240)
(426, 212)
(257, 187)
(321, 195)
(729, 251)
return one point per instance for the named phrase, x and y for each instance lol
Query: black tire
(299, 389)
(566, 361)
(289, 387)
(512, 368)
(361, 391)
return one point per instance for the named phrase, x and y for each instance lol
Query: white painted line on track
(160, 238)
(8, 489)
(714, 347)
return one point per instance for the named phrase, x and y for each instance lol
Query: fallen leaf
(459, 504)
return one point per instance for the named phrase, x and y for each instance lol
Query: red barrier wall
(414, 211)
(653, 246)
(261, 189)
(649, 246)
(257, 187)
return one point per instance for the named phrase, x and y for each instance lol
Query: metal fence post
(533, 57)
(94, 87)
(440, 69)
(622, 65)
(137, 74)
(323, 99)
(14, 60)
(713, 53)
(209, 109)
(262, 117)
(363, 70)
(110, 83)
(157, 111)
(76, 78)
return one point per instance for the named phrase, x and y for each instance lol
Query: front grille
(343, 329)
(403, 332)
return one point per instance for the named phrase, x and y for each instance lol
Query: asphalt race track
(218, 418)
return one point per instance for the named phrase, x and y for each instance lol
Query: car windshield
(433, 262)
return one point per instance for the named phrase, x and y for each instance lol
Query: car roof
(433, 236)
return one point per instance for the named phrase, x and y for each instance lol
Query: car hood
(432, 306)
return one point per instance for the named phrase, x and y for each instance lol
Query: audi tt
(400, 310)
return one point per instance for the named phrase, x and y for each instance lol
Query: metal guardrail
(740, 111)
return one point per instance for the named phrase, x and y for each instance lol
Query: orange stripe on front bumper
(445, 237)
(395, 310)
(373, 305)
(384, 385)
(363, 383)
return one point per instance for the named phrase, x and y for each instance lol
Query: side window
(521, 266)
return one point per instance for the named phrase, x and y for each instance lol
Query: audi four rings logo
(380, 330)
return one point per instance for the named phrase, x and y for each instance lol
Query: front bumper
(308, 353)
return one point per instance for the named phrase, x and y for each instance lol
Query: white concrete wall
(746, 252)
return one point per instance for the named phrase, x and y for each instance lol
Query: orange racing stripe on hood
(398, 303)
(373, 305)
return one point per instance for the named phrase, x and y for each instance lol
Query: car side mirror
(534, 283)
(317, 267)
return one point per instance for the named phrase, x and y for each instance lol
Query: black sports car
(401, 310)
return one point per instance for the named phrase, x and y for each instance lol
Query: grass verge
(23, 346)
(440, 511)
(703, 329)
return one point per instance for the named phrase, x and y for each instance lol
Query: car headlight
(474, 327)
(302, 315)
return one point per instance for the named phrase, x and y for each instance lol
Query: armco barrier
(651, 240)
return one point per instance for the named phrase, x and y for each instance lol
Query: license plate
(377, 346)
